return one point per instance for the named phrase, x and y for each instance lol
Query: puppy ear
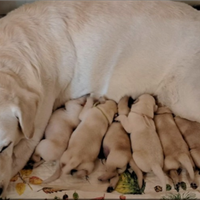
(123, 119)
(155, 108)
(25, 110)
(137, 100)
(148, 122)
(102, 99)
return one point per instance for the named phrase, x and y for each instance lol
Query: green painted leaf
(168, 187)
(75, 196)
(183, 185)
(128, 184)
(186, 195)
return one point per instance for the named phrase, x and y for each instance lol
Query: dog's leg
(22, 155)
(195, 153)
(88, 105)
(185, 162)
(80, 173)
(137, 171)
(113, 183)
(170, 163)
(173, 174)
(160, 174)
(124, 122)
(107, 175)
(37, 164)
(87, 167)
(55, 175)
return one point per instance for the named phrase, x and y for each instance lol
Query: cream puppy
(191, 133)
(117, 150)
(85, 142)
(174, 147)
(147, 150)
(58, 132)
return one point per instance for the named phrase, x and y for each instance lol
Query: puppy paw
(110, 189)
(193, 186)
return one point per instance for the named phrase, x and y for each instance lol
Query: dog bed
(27, 185)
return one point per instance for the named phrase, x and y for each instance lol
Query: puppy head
(75, 104)
(110, 109)
(17, 115)
(123, 108)
(79, 101)
(145, 105)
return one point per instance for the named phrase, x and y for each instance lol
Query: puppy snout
(1, 190)
(73, 171)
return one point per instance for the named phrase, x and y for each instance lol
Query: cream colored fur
(58, 132)
(53, 51)
(117, 144)
(147, 150)
(175, 149)
(85, 142)
(191, 133)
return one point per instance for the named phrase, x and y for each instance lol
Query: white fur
(54, 51)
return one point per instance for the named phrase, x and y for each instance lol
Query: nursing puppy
(174, 147)
(117, 150)
(85, 142)
(147, 150)
(191, 133)
(58, 132)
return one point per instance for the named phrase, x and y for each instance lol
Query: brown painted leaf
(26, 172)
(49, 190)
(14, 178)
(20, 188)
(35, 180)
(158, 188)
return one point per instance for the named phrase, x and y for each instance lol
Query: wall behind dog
(6, 6)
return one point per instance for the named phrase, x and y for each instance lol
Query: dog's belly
(147, 57)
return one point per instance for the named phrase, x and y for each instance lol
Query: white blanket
(28, 186)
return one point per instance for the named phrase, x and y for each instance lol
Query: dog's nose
(1, 190)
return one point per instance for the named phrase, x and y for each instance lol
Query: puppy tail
(157, 170)
(55, 176)
(138, 172)
(186, 163)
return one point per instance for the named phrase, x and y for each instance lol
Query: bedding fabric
(27, 185)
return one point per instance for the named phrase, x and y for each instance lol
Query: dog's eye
(5, 147)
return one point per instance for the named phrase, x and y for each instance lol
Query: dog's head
(145, 105)
(110, 109)
(17, 115)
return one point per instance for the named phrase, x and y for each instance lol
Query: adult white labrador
(54, 51)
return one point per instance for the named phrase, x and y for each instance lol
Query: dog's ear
(25, 108)
(148, 122)
(155, 108)
(123, 119)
